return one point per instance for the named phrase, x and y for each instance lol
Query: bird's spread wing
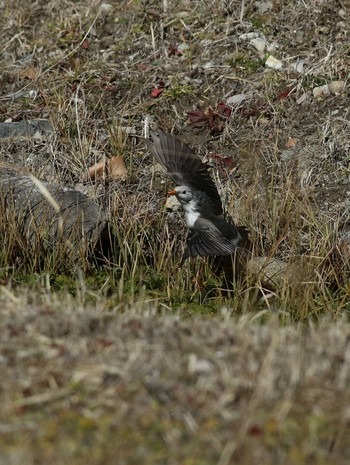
(207, 240)
(185, 168)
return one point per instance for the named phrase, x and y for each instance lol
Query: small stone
(209, 65)
(248, 36)
(273, 63)
(236, 100)
(341, 24)
(298, 66)
(258, 44)
(302, 98)
(183, 47)
(198, 365)
(182, 14)
(106, 8)
(172, 204)
(320, 91)
(264, 7)
(336, 87)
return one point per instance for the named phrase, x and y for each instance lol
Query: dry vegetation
(126, 360)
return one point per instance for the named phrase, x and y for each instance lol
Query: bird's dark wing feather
(207, 240)
(185, 168)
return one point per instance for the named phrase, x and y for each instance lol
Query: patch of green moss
(246, 63)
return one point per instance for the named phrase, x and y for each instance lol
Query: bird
(210, 233)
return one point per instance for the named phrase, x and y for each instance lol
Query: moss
(244, 62)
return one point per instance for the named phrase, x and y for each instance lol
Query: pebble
(264, 7)
(321, 91)
(298, 66)
(172, 204)
(248, 36)
(182, 47)
(273, 63)
(209, 64)
(259, 45)
(336, 87)
(106, 8)
(302, 98)
(236, 100)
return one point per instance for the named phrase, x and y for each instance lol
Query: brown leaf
(28, 73)
(116, 167)
(291, 142)
(97, 171)
(113, 168)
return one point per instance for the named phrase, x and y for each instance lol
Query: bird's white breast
(191, 213)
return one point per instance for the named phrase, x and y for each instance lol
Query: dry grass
(114, 359)
(92, 386)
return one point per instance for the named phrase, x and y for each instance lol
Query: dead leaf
(117, 168)
(291, 142)
(156, 92)
(85, 44)
(113, 168)
(158, 89)
(28, 73)
(97, 171)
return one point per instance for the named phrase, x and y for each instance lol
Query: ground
(131, 360)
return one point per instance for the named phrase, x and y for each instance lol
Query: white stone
(302, 98)
(106, 8)
(236, 100)
(298, 66)
(320, 91)
(248, 36)
(273, 63)
(172, 203)
(209, 65)
(183, 47)
(336, 87)
(258, 44)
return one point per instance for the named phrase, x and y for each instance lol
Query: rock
(236, 100)
(320, 91)
(302, 98)
(106, 8)
(50, 214)
(248, 36)
(273, 63)
(336, 87)
(183, 47)
(198, 365)
(274, 274)
(298, 66)
(259, 45)
(172, 204)
(209, 65)
(264, 7)
(26, 129)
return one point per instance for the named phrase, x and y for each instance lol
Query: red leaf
(156, 92)
(224, 110)
(85, 44)
(284, 94)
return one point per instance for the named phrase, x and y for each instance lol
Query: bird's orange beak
(172, 192)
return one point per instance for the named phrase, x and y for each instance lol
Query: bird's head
(183, 193)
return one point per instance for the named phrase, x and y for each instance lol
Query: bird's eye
(184, 192)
